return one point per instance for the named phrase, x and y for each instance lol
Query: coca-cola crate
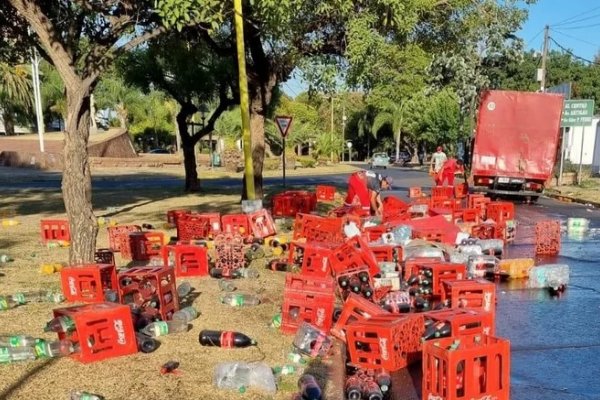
(236, 224)
(386, 252)
(153, 289)
(103, 330)
(119, 236)
(500, 211)
(391, 343)
(352, 278)
(428, 233)
(145, 245)
(394, 208)
(470, 215)
(87, 282)
(261, 224)
(55, 229)
(475, 367)
(193, 227)
(547, 237)
(312, 258)
(480, 202)
(411, 264)
(230, 254)
(442, 192)
(465, 321)
(188, 260)
(318, 229)
(477, 294)
(307, 299)
(325, 192)
(374, 233)
(440, 272)
(486, 231)
(174, 215)
(354, 253)
(415, 192)
(292, 202)
(356, 308)
(104, 256)
(461, 190)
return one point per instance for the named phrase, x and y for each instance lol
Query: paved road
(555, 341)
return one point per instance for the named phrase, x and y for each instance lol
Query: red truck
(516, 142)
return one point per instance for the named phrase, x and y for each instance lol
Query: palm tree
(392, 114)
(15, 95)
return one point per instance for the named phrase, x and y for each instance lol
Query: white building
(573, 143)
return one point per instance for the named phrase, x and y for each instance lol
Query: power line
(580, 20)
(581, 27)
(533, 38)
(565, 21)
(575, 38)
(569, 52)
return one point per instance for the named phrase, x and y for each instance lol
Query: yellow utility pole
(244, 102)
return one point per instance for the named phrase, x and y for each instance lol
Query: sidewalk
(588, 193)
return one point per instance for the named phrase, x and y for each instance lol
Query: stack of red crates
(312, 258)
(292, 202)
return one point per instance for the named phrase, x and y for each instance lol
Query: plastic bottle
(226, 285)
(276, 321)
(343, 281)
(309, 388)
(248, 273)
(145, 343)
(363, 277)
(80, 395)
(184, 289)
(9, 355)
(367, 291)
(285, 370)
(162, 328)
(353, 388)
(240, 375)
(240, 299)
(354, 284)
(384, 380)
(7, 303)
(5, 258)
(39, 296)
(225, 339)
(62, 324)
(186, 314)
(371, 390)
(55, 348)
(17, 341)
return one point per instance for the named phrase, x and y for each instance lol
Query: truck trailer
(516, 142)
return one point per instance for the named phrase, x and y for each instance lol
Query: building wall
(573, 143)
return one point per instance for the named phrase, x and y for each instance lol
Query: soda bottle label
(161, 328)
(226, 339)
(4, 355)
(237, 301)
(14, 341)
(19, 298)
(276, 321)
(67, 324)
(3, 303)
(41, 349)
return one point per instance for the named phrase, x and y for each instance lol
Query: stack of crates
(292, 202)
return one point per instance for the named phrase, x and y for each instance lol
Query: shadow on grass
(30, 374)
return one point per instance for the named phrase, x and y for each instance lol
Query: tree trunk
(9, 123)
(77, 178)
(398, 139)
(192, 183)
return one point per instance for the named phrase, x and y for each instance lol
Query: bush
(271, 164)
(307, 162)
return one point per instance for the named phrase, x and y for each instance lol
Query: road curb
(570, 199)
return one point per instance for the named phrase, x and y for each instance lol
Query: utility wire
(575, 38)
(533, 38)
(581, 27)
(580, 20)
(571, 53)
(567, 21)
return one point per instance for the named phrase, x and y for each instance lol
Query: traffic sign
(283, 123)
(577, 113)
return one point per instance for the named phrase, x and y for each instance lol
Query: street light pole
(331, 130)
(344, 130)
(35, 69)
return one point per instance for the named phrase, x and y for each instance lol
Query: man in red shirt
(363, 191)
(450, 167)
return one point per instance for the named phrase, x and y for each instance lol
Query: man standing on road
(437, 161)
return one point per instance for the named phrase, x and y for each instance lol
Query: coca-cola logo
(320, 317)
(383, 348)
(120, 329)
(72, 286)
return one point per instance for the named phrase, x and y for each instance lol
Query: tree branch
(214, 46)
(224, 103)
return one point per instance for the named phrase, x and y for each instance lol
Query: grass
(136, 376)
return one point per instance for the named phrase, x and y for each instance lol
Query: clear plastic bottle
(5, 258)
(240, 375)
(9, 355)
(81, 395)
(39, 296)
(162, 328)
(7, 303)
(111, 296)
(240, 299)
(55, 348)
(186, 314)
(285, 370)
(226, 285)
(184, 289)
(62, 324)
(17, 341)
(248, 273)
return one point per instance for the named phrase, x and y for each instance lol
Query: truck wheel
(532, 199)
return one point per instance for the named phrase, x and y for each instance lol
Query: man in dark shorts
(375, 184)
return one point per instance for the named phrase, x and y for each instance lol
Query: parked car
(379, 160)
(159, 151)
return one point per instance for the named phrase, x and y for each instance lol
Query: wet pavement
(555, 341)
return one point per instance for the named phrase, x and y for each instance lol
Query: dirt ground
(136, 376)
(587, 191)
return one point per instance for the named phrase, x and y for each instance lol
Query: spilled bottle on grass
(225, 339)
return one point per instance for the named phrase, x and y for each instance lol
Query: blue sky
(574, 24)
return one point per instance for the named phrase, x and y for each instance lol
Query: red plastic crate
(470, 215)
(356, 308)
(442, 192)
(55, 229)
(411, 264)
(325, 192)
(415, 192)
(461, 190)
(391, 343)
(480, 202)
(104, 256)
(119, 235)
(374, 233)
(307, 299)
(292, 202)
(174, 215)
(500, 211)
(387, 252)
(314, 258)
(236, 224)
(145, 245)
(153, 289)
(261, 224)
(354, 253)
(479, 368)
(318, 229)
(547, 237)
(88, 282)
(429, 234)
(441, 272)
(465, 321)
(394, 208)
(193, 227)
(353, 273)
(477, 294)
(230, 254)
(188, 260)
(103, 330)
